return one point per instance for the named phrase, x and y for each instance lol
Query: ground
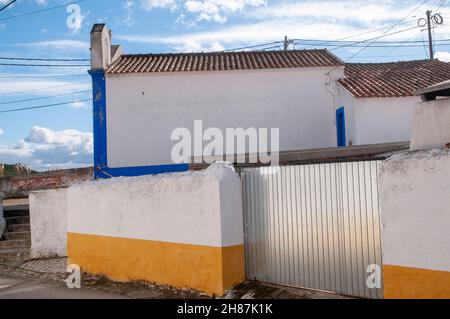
(44, 279)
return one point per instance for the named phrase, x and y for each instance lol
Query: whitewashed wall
(384, 120)
(431, 127)
(377, 120)
(143, 110)
(198, 208)
(344, 99)
(48, 215)
(414, 193)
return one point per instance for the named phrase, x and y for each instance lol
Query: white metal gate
(314, 226)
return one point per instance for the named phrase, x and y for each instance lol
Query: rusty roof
(395, 79)
(223, 61)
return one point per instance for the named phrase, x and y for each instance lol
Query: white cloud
(2, 132)
(48, 149)
(128, 20)
(218, 10)
(241, 35)
(442, 56)
(267, 21)
(79, 105)
(165, 4)
(62, 45)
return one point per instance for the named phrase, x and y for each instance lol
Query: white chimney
(103, 53)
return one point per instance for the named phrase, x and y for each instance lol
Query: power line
(443, 2)
(43, 89)
(44, 59)
(44, 65)
(42, 76)
(43, 106)
(384, 35)
(374, 39)
(253, 46)
(40, 11)
(7, 5)
(45, 97)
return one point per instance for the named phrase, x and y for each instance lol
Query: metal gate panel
(313, 226)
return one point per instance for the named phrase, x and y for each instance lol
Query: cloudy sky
(61, 136)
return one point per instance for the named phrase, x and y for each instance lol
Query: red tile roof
(396, 79)
(223, 61)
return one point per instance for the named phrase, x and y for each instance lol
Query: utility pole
(430, 22)
(430, 35)
(287, 43)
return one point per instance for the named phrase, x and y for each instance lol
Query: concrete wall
(143, 110)
(48, 220)
(377, 120)
(414, 200)
(183, 229)
(431, 127)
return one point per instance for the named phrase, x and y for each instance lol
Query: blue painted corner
(340, 126)
(102, 171)
(99, 106)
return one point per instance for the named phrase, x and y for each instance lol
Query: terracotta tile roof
(223, 61)
(396, 79)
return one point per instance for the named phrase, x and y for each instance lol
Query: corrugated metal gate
(313, 226)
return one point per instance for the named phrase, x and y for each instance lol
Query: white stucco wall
(376, 120)
(431, 128)
(414, 193)
(48, 215)
(198, 208)
(144, 109)
(384, 120)
(344, 99)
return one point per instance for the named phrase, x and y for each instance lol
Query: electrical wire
(44, 65)
(45, 97)
(7, 5)
(43, 106)
(43, 59)
(44, 89)
(26, 76)
(253, 46)
(40, 11)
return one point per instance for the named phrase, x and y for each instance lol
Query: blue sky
(60, 136)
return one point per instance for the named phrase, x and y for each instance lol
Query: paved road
(26, 289)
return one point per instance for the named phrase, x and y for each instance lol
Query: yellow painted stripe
(209, 269)
(413, 283)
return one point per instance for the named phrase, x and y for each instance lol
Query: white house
(379, 98)
(309, 95)
(139, 100)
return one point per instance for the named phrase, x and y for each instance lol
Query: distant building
(379, 98)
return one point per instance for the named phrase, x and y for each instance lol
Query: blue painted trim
(102, 170)
(340, 126)
(99, 106)
(107, 172)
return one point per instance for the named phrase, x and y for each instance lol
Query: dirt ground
(53, 270)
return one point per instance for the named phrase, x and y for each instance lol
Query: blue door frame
(340, 126)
